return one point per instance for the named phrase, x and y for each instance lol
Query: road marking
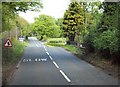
(51, 58)
(35, 43)
(65, 76)
(44, 59)
(47, 53)
(55, 64)
(35, 59)
(90, 65)
(68, 52)
(23, 60)
(18, 65)
(39, 60)
(45, 49)
(30, 60)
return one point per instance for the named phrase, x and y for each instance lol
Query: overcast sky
(55, 8)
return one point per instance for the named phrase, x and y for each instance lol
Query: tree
(108, 28)
(45, 26)
(72, 21)
(59, 23)
(22, 25)
(11, 9)
(92, 19)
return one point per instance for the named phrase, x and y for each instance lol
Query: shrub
(107, 40)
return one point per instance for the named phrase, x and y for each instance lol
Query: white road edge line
(90, 65)
(18, 65)
(65, 76)
(55, 64)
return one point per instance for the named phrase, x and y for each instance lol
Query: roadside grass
(71, 48)
(10, 58)
(61, 42)
(11, 55)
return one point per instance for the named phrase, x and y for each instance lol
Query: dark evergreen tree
(73, 19)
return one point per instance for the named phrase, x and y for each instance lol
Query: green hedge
(56, 41)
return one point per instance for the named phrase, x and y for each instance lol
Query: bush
(107, 40)
(56, 41)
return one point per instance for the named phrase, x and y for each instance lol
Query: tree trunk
(71, 39)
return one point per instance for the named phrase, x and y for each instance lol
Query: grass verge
(10, 57)
(71, 48)
(61, 42)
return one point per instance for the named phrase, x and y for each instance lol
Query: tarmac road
(42, 65)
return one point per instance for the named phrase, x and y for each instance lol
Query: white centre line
(65, 76)
(91, 65)
(47, 53)
(51, 58)
(55, 64)
(45, 49)
(35, 43)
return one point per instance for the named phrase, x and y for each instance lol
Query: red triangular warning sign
(8, 43)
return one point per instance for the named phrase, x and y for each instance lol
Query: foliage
(45, 26)
(92, 19)
(10, 11)
(56, 41)
(59, 21)
(22, 25)
(107, 40)
(11, 55)
(72, 21)
(70, 48)
(106, 35)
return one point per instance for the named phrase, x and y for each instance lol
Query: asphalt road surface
(42, 65)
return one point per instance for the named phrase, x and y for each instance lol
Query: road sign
(8, 43)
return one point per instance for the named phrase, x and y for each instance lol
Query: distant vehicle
(21, 38)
